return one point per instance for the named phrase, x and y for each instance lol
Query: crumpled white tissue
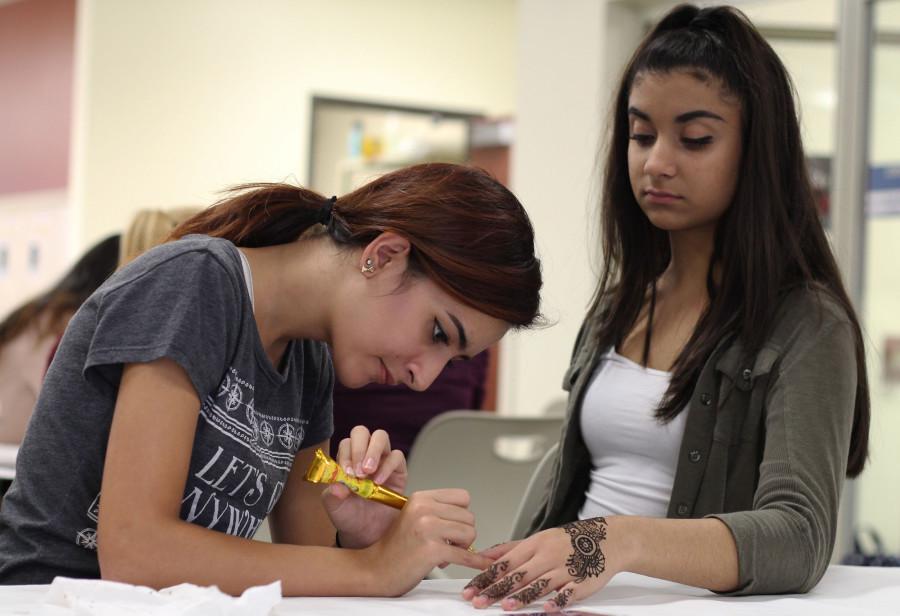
(103, 598)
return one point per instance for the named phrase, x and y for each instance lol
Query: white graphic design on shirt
(87, 537)
(253, 429)
(94, 510)
(265, 430)
(234, 486)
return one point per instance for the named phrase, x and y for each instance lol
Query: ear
(387, 251)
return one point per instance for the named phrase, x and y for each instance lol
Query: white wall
(560, 108)
(31, 221)
(176, 100)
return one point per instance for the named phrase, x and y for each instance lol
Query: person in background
(718, 389)
(150, 227)
(191, 391)
(402, 412)
(30, 333)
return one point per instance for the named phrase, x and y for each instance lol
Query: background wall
(37, 50)
(558, 116)
(37, 40)
(177, 100)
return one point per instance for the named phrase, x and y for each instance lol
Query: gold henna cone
(325, 470)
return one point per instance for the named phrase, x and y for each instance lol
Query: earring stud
(369, 267)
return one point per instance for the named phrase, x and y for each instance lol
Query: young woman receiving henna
(718, 390)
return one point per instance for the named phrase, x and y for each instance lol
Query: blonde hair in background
(149, 228)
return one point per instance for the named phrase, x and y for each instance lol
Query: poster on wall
(352, 142)
(883, 197)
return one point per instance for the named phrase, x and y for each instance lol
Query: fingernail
(349, 470)
(369, 464)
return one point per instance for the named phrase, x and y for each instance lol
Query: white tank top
(633, 455)
(248, 277)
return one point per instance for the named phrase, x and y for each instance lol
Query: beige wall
(558, 115)
(32, 221)
(177, 100)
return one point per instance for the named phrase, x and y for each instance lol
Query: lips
(386, 378)
(660, 196)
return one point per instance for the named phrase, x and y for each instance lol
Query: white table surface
(843, 591)
(8, 460)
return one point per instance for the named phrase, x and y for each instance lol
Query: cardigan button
(746, 374)
(682, 510)
(706, 399)
(695, 456)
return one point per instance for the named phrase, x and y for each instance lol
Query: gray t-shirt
(186, 301)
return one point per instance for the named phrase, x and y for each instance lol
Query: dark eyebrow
(460, 331)
(700, 113)
(637, 112)
(684, 118)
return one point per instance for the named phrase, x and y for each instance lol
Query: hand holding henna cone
(323, 469)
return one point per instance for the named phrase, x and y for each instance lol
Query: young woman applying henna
(718, 391)
(191, 391)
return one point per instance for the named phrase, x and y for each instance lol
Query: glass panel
(802, 33)
(878, 497)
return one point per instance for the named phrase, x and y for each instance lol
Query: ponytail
(259, 214)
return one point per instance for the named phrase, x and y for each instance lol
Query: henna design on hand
(562, 597)
(587, 559)
(504, 586)
(488, 576)
(530, 593)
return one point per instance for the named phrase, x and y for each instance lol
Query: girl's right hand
(433, 528)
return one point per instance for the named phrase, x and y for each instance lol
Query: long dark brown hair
(468, 233)
(769, 241)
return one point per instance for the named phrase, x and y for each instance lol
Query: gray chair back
(492, 456)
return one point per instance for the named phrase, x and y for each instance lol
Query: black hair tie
(325, 211)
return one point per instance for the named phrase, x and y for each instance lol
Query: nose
(425, 369)
(660, 159)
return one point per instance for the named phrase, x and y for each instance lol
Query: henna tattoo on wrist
(504, 586)
(530, 593)
(488, 576)
(587, 559)
(562, 597)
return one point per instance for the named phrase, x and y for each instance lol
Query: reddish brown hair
(469, 234)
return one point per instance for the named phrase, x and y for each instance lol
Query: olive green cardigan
(764, 449)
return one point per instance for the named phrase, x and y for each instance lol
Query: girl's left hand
(575, 560)
(361, 522)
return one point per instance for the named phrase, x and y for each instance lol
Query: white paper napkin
(103, 598)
